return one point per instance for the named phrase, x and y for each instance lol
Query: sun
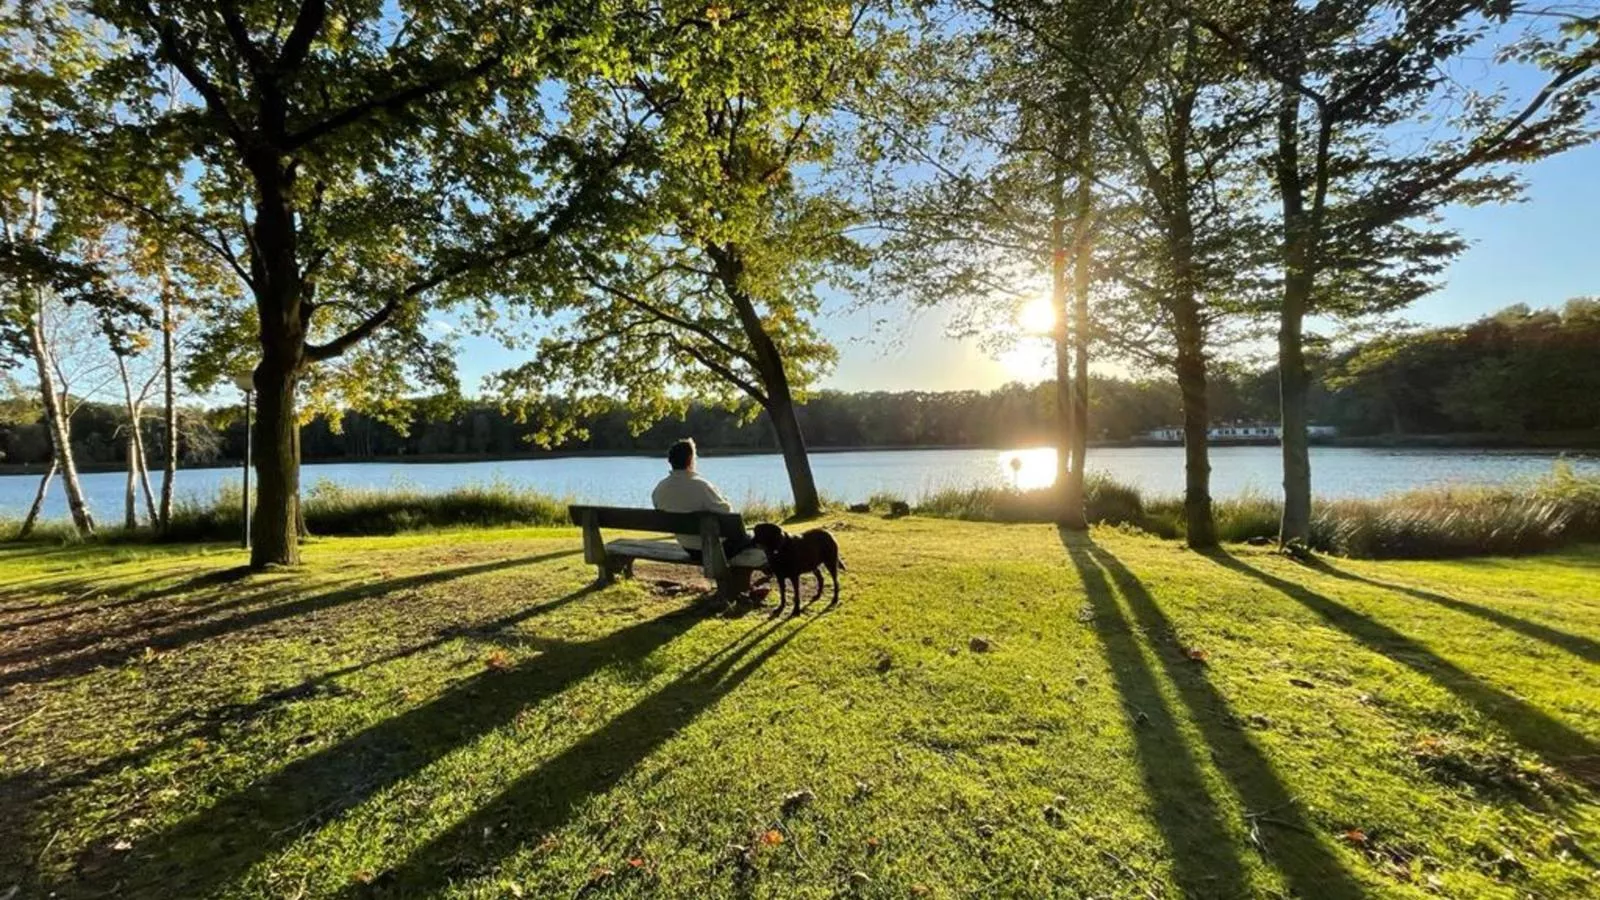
(1037, 316)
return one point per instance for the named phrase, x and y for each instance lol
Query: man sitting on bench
(684, 491)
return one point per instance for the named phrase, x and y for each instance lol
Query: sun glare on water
(1029, 469)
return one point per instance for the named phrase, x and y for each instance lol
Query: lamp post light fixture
(246, 383)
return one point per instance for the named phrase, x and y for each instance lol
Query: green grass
(457, 715)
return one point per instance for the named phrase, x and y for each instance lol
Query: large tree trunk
(169, 393)
(279, 291)
(55, 417)
(275, 534)
(32, 518)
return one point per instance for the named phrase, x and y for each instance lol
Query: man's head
(682, 455)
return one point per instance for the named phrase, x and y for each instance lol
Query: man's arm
(715, 502)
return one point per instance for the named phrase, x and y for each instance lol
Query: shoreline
(1552, 443)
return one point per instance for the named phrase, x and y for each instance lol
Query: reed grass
(1560, 509)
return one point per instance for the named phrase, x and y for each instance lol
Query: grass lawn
(457, 714)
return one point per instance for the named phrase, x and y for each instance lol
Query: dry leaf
(772, 837)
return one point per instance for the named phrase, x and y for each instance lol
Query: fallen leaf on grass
(1195, 654)
(796, 801)
(499, 660)
(772, 837)
(1356, 836)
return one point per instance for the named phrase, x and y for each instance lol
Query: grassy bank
(1437, 523)
(992, 710)
(1559, 510)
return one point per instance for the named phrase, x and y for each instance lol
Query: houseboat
(1240, 433)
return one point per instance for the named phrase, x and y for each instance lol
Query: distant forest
(1518, 372)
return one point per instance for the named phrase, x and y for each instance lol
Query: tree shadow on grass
(207, 851)
(209, 725)
(1310, 866)
(1578, 645)
(547, 796)
(1561, 745)
(1203, 856)
(60, 658)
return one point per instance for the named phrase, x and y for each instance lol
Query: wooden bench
(613, 558)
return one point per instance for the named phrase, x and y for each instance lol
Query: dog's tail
(842, 566)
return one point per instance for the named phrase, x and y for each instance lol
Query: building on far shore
(1239, 433)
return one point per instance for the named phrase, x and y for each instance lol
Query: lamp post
(246, 383)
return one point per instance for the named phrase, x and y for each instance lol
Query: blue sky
(1540, 251)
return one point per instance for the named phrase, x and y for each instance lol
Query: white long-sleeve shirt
(684, 491)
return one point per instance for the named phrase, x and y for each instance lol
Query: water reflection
(1029, 469)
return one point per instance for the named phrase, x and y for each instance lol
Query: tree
(355, 167)
(716, 293)
(1355, 202)
(985, 149)
(1183, 128)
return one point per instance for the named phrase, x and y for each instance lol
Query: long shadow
(205, 852)
(1310, 865)
(182, 728)
(547, 796)
(86, 589)
(1561, 745)
(78, 664)
(1203, 858)
(1577, 645)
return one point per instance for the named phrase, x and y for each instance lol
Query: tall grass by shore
(1561, 508)
(1428, 523)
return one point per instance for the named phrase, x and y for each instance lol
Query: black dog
(791, 555)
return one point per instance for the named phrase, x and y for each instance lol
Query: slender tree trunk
(1191, 370)
(169, 393)
(796, 461)
(55, 417)
(1083, 275)
(1294, 384)
(769, 362)
(1301, 234)
(136, 459)
(32, 518)
(1070, 511)
(130, 499)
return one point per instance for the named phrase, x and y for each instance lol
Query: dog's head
(768, 537)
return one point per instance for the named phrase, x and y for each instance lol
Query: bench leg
(602, 575)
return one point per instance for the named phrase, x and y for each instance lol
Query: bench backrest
(728, 524)
(710, 527)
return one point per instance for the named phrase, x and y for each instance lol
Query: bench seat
(666, 550)
(616, 557)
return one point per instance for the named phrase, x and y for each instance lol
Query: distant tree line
(1518, 371)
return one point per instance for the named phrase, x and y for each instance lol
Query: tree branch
(388, 103)
(307, 22)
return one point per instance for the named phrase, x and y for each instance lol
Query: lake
(852, 476)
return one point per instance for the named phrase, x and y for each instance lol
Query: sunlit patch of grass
(992, 709)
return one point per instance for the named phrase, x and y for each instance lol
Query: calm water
(627, 480)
